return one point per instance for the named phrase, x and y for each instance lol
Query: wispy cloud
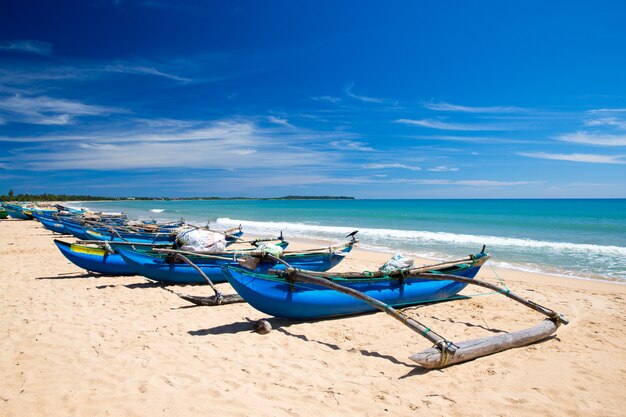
(237, 144)
(442, 125)
(394, 165)
(442, 106)
(586, 138)
(577, 157)
(443, 168)
(328, 99)
(142, 70)
(351, 145)
(27, 46)
(470, 139)
(607, 121)
(46, 76)
(218, 145)
(365, 99)
(440, 168)
(279, 121)
(607, 110)
(470, 183)
(491, 183)
(47, 110)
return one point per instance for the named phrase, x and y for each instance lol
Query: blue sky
(373, 100)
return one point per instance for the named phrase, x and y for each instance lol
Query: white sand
(74, 344)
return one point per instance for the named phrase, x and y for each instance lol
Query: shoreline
(502, 271)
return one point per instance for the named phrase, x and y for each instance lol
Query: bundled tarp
(271, 249)
(397, 262)
(199, 240)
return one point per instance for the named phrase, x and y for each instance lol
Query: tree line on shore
(11, 196)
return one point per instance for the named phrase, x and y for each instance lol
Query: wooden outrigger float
(445, 352)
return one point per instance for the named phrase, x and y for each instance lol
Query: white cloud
(471, 139)
(618, 110)
(351, 145)
(439, 124)
(475, 183)
(365, 99)
(279, 121)
(442, 106)
(27, 46)
(491, 183)
(577, 157)
(40, 76)
(394, 165)
(607, 121)
(594, 139)
(443, 168)
(47, 110)
(220, 145)
(142, 70)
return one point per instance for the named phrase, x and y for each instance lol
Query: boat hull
(51, 224)
(94, 259)
(157, 268)
(275, 296)
(16, 213)
(75, 230)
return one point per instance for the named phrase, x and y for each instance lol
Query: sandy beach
(83, 345)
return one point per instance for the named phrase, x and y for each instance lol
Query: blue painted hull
(51, 224)
(275, 296)
(103, 263)
(75, 230)
(17, 213)
(155, 267)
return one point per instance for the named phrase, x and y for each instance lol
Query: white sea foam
(379, 236)
(157, 210)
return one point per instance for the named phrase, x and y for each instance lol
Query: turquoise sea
(578, 238)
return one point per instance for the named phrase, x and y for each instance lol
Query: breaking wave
(560, 258)
(378, 236)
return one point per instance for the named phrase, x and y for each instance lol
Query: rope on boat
(499, 279)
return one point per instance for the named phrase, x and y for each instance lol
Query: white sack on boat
(198, 240)
(273, 250)
(396, 262)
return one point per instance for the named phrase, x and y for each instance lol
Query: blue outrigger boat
(104, 257)
(167, 268)
(278, 295)
(297, 294)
